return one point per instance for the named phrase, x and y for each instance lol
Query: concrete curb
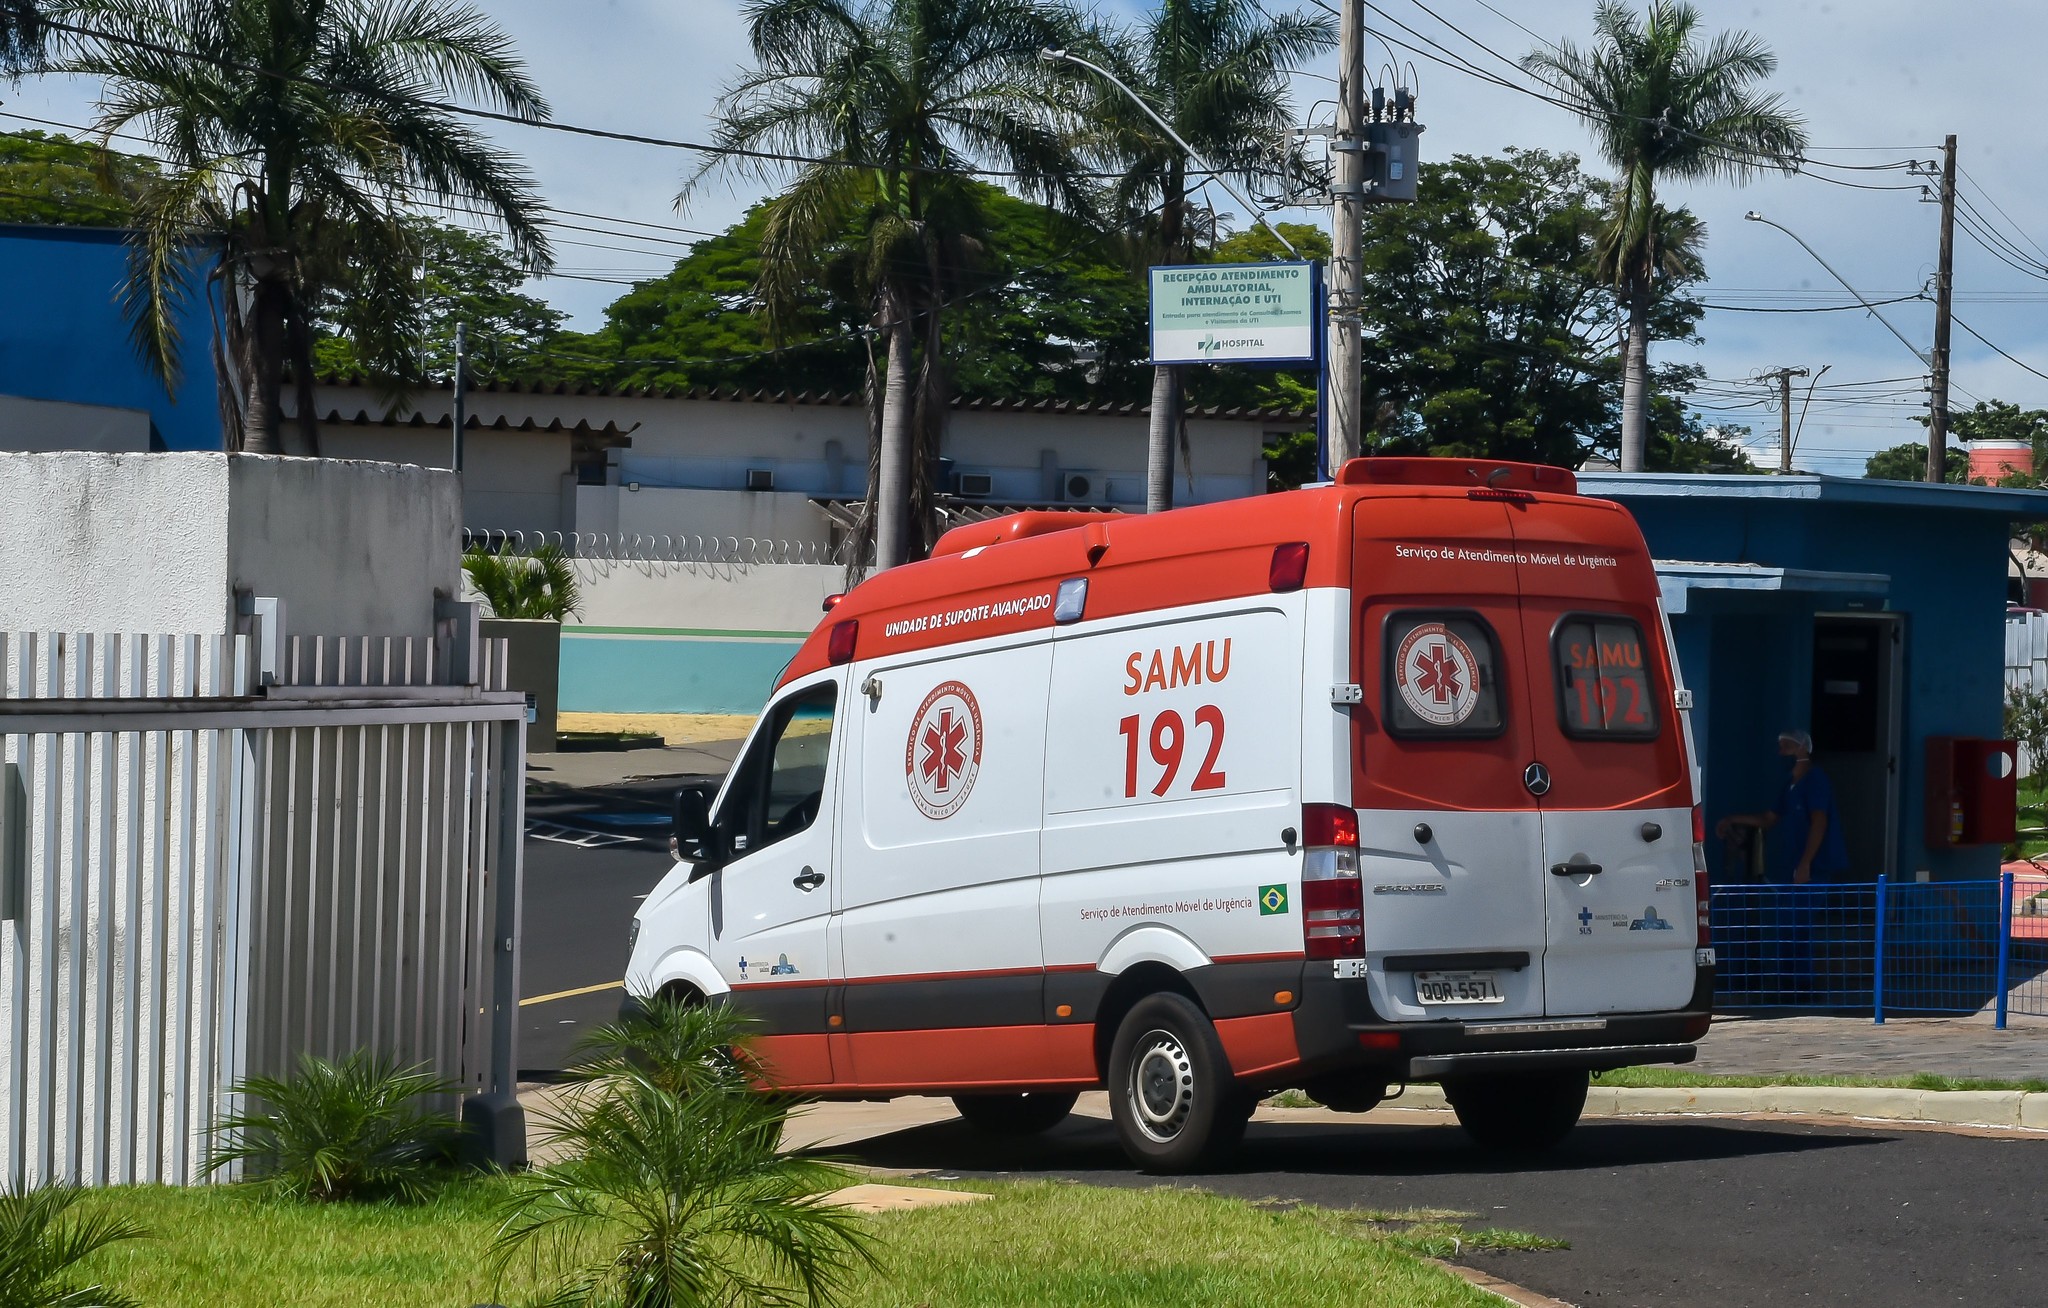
(2006, 1108)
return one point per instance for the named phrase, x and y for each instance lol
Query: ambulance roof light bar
(1470, 474)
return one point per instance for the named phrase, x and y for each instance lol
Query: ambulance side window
(1442, 675)
(781, 786)
(1603, 678)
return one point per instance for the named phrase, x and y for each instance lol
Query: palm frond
(42, 1242)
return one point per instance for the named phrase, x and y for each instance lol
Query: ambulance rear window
(1442, 675)
(1603, 678)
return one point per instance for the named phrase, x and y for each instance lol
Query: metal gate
(218, 853)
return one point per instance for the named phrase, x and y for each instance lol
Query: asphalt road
(578, 902)
(1674, 1213)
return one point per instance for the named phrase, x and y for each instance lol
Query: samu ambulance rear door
(1620, 938)
(1449, 836)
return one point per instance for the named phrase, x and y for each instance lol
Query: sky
(1877, 81)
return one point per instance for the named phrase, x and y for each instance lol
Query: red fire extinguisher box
(1972, 791)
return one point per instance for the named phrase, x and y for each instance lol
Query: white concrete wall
(55, 425)
(511, 481)
(114, 542)
(815, 449)
(683, 512)
(785, 598)
(160, 542)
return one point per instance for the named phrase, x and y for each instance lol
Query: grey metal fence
(219, 853)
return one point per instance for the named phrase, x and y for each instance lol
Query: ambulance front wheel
(1014, 1115)
(1520, 1113)
(1176, 1105)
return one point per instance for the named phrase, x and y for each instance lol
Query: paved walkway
(1856, 1046)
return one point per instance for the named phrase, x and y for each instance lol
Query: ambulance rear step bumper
(1599, 1058)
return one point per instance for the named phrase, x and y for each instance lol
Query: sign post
(1235, 313)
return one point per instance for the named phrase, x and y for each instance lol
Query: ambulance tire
(1518, 1113)
(1176, 1105)
(1015, 1115)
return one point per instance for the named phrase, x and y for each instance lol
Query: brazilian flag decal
(1272, 899)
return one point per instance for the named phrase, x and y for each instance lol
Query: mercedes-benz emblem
(1537, 778)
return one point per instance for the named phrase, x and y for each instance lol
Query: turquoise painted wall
(670, 672)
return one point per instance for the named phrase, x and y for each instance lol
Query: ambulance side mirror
(696, 840)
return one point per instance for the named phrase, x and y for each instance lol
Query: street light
(1068, 56)
(1925, 359)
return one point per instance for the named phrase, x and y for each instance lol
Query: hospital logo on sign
(1436, 675)
(943, 755)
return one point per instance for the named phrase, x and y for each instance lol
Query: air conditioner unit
(976, 485)
(760, 479)
(1075, 486)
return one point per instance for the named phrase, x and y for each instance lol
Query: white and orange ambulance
(1380, 781)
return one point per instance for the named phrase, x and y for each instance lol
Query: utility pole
(1345, 357)
(461, 411)
(1944, 277)
(1784, 378)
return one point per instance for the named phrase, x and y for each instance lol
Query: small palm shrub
(674, 1180)
(354, 1129)
(40, 1246)
(537, 585)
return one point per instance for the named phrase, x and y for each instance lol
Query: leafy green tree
(295, 174)
(57, 180)
(672, 1192)
(1218, 71)
(470, 278)
(41, 1249)
(1489, 331)
(1664, 104)
(900, 99)
(1908, 462)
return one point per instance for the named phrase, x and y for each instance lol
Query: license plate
(1457, 988)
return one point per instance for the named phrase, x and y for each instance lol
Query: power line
(2000, 350)
(1825, 308)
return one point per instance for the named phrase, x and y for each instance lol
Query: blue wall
(1748, 655)
(615, 672)
(63, 336)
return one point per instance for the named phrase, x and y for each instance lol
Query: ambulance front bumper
(1338, 1030)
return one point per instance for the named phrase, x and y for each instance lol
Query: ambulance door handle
(1574, 869)
(807, 880)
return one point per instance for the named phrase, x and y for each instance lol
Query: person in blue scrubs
(1804, 827)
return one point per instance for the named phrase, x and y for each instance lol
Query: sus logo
(943, 755)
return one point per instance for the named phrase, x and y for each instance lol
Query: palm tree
(42, 1249)
(673, 1193)
(539, 585)
(1662, 104)
(1217, 70)
(898, 101)
(21, 36)
(297, 131)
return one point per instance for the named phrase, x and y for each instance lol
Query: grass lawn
(1640, 1077)
(1040, 1243)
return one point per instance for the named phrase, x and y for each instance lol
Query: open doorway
(1856, 710)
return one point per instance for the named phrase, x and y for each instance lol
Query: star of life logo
(1437, 675)
(943, 756)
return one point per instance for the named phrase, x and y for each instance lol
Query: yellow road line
(571, 994)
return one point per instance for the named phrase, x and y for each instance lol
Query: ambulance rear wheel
(1176, 1105)
(1018, 1114)
(1519, 1113)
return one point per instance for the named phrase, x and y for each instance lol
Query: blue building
(1869, 612)
(65, 340)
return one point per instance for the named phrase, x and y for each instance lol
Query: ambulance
(1382, 781)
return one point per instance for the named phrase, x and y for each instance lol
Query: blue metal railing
(1892, 947)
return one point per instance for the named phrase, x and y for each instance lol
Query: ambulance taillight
(839, 645)
(1332, 896)
(1699, 872)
